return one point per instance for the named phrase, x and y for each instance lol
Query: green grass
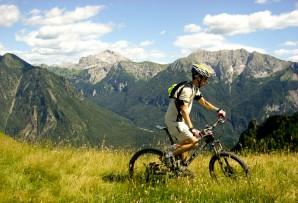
(46, 174)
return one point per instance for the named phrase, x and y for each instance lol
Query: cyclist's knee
(194, 141)
(190, 142)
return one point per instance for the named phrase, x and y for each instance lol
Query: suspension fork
(223, 162)
(217, 147)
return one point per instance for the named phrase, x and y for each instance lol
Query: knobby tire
(238, 169)
(138, 155)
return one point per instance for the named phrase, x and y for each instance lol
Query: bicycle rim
(228, 165)
(146, 165)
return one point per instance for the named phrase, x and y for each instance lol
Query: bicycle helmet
(202, 70)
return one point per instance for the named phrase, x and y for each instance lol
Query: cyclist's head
(201, 70)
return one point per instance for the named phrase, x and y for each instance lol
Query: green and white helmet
(202, 69)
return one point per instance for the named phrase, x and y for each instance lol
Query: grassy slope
(44, 174)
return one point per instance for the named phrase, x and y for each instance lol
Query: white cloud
(35, 12)
(9, 14)
(208, 41)
(57, 16)
(60, 34)
(289, 54)
(71, 52)
(192, 28)
(281, 52)
(163, 32)
(260, 1)
(65, 36)
(135, 52)
(199, 40)
(266, 1)
(2, 49)
(294, 58)
(146, 43)
(240, 24)
(291, 43)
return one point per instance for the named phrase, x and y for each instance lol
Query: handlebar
(209, 128)
(220, 120)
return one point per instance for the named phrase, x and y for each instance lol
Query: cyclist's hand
(196, 132)
(221, 114)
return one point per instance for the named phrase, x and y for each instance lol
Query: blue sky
(161, 31)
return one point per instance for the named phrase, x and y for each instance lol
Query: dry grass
(45, 174)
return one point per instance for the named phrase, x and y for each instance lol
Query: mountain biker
(177, 117)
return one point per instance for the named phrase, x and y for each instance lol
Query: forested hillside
(279, 132)
(37, 105)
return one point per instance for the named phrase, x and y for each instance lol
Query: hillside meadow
(35, 173)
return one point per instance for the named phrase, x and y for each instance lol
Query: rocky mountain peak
(10, 57)
(99, 65)
(13, 61)
(229, 64)
(104, 58)
(262, 65)
(219, 54)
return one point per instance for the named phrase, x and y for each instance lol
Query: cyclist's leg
(182, 151)
(185, 146)
(186, 140)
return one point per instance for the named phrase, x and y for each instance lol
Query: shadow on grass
(119, 178)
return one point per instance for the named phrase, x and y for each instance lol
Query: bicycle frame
(215, 144)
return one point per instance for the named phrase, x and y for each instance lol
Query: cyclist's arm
(185, 114)
(207, 104)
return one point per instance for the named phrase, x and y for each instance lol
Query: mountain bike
(150, 162)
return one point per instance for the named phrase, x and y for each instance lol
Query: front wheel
(227, 164)
(146, 163)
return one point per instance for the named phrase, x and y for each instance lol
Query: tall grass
(31, 173)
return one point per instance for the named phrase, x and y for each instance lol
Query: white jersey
(187, 94)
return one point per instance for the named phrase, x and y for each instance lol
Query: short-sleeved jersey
(188, 94)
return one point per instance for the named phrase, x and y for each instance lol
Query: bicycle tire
(139, 154)
(230, 165)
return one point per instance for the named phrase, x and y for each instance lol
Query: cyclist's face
(204, 81)
(200, 82)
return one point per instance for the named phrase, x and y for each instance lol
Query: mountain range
(247, 85)
(38, 105)
(107, 98)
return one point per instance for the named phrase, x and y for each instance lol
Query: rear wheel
(227, 165)
(147, 164)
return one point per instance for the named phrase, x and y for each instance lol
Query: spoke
(230, 167)
(147, 166)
